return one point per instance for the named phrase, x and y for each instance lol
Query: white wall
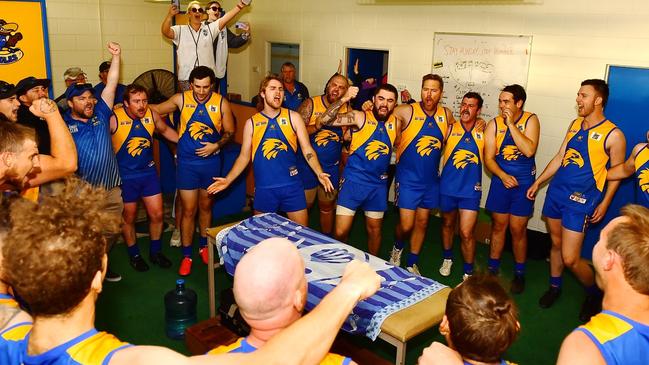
(80, 29)
(572, 40)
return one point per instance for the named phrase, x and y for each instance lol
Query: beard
(380, 117)
(273, 103)
(13, 181)
(84, 113)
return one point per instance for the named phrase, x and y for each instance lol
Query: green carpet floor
(133, 309)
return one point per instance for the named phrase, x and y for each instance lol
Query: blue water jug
(180, 310)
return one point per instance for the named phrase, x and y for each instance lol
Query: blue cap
(78, 89)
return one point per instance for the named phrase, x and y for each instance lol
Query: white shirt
(194, 48)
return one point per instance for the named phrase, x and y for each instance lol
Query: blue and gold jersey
(370, 151)
(274, 147)
(420, 147)
(12, 343)
(31, 194)
(133, 144)
(580, 180)
(502, 362)
(508, 157)
(8, 301)
(462, 163)
(620, 340)
(328, 141)
(642, 174)
(199, 122)
(91, 348)
(242, 346)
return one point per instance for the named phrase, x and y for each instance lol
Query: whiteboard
(482, 63)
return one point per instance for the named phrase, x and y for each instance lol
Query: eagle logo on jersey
(375, 149)
(426, 145)
(198, 130)
(461, 158)
(271, 147)
(643, 180)
(572, 156)
(136, 145)
(511, 153)
(325, 136)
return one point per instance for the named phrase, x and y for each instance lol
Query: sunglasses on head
(197, 10)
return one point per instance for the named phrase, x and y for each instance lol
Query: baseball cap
(78, 89)
(7, 90)
(72, 73)
(105, 66)
(30, 82)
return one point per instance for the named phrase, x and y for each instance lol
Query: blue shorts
(369, 198)
(197, 176)
(310, 180)
(133, 189)
(449, 203)
(413, 197)
(570, 219)
(288, 198)
(509, 201)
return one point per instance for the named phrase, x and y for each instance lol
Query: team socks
(202, 242)
(156, 246)
(133, 250)
(493, 266)
(413, 258)
(519, 268)
(187, 251)
(556, 281)
(448, 254)
(468, 268)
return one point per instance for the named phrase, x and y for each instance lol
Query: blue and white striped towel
(325, 260)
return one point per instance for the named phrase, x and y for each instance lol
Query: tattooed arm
(308, 152)
(331, 114)
(62, 160)
(352, 118)
(306, 111)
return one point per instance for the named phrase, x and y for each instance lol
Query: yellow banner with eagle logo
(24, 48)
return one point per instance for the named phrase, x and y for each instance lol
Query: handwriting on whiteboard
(480, 63)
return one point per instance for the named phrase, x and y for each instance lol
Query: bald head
(269, 281)
(336, 88)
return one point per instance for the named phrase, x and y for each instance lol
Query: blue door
(629, 97)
